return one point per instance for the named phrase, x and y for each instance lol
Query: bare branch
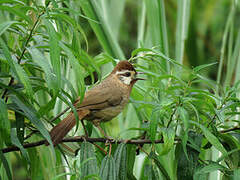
(81, 139)
(102, 140)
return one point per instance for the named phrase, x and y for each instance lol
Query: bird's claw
(109, 139)
(84, 137)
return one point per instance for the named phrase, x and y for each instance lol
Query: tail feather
(61, 129)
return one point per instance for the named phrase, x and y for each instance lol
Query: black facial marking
(127, 74)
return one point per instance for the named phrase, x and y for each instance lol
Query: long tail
(61, 129)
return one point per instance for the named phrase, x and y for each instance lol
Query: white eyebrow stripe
(122, 72)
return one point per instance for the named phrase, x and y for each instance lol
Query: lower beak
(140, 78)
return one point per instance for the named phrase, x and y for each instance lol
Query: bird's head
(126, 73)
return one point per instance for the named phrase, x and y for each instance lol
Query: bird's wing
(97, 98)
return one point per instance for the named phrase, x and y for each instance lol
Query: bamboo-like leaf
(131, 155)
(31, 114)
(211, 138)
(183, 114)
(39, 59)
(35, 165)
(54, 53)
(183, 14)
(78, 70)
(157, 26)
(168, 137)
(5, 25)
(184, 117)
(199, 68)
(224, 42)
(103, 30)
(17, 69)
(120, 158)
(88, 160)
(5, 165)
(17, 143)
(153, 125)
(108, 169)
(65, 99)
(16, 11)
(5, 125)
(153, 156)
(137, 51)
(210, 168)
(77, 28)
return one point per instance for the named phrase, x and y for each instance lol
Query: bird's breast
(108, 113)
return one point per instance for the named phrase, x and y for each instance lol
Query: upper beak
(140, 78)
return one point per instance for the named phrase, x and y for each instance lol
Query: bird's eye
(127, 74)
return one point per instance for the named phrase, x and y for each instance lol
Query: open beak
(140, 78)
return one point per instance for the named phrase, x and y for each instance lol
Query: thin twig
(141, 148)
(171, 118)
(30, 135)
(110, 149)
(99, 147)
(231, 129)
(59, 115)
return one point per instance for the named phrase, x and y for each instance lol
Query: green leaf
(88, 160)
(108, 169)
(131, 155)
(137, 51)
(54, 53)
(35, 167)
(5, 25)
(5, 125)
(183, 14)
(39, 59)
(70, 87)
(219, 115)
(5, 165)
(17, 69)
(153, 125)
(168, 137)
(213, 166)
(153, 156)
(17, 143)
(187, 164)
(199, 68)
(102, 29)
(157, 27)
(77, 69)
(120, 158)
(16, 11)
(31, 114)
(210, 137)
(183, 114)
(64, 99)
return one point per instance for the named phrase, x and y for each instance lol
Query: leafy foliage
(49, 55)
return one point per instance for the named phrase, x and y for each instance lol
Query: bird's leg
(85, 130)
(96, 123)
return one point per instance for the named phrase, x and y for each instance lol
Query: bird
(101, 103)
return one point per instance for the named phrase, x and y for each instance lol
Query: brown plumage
(101, 103)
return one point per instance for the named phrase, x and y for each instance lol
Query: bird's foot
(84, 137)
(109, 139)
